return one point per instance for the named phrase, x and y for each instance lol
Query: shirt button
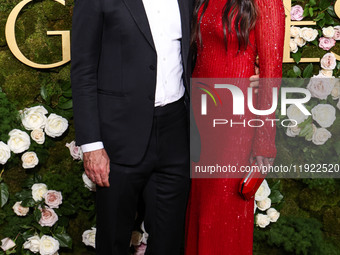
(152, 67)
(158, 11)
(165, 82)
(164, 59)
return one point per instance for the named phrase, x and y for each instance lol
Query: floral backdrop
(47, 203)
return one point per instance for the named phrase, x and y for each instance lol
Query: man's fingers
(99, 180)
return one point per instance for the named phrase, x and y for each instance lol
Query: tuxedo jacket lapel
(138, 13)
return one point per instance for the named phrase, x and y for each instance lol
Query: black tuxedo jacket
(113, 74)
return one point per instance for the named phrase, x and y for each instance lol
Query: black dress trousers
(162, 177)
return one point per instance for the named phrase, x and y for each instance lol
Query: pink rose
(328, 61)
(8, 243)
(48, 217)
(75, 151)
(326, 43)
(53, 198)
(140, 250)
(336, 33)
(296, 12)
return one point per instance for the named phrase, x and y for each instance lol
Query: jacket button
(152, 67)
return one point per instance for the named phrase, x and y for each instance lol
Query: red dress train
(219, 221)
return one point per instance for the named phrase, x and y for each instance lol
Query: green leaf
(329, 20)
(4, 194)
(311, 11)
(308, 72)
(297, 70)
(305, 11)
(276, 185)
(331, 11)
(312, 2)
(321, 23)
(297, 56)
(65, 103)
(28, 234)
(320, 16)
(37, 215)
(276, 196)
(315, 42)
(25, 194)
(306, 130)
(64, 240)
(28, 202)
(291, 74)
(67, 93)
(324, 4)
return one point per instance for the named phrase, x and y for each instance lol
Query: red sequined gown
(219, 221)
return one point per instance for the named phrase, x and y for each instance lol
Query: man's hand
(255, 79)
(97, 167)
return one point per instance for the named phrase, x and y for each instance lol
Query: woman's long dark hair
(244, 12)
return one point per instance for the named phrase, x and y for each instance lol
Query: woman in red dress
(229, 35)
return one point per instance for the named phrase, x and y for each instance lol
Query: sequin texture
(219, 221)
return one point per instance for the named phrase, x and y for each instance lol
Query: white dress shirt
(165, 24)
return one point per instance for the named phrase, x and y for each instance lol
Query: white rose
(48, 245)
(324, 115)
(336, 90)
(89, 237)
(88, 183)
(292, 130)
(75, 151)
(32, 244)
(293, 46)
(55, 125)
(308, 34)
(328, 61)
(328, 32)
(300, 41)
(326, 73)
(48, 217)
(19, 209)
(5, 153)
(34, 117)
(19, 141)
(321, 136)
(7, 244)
(29, 160)
(38, 191)
(273, 214)
(262, 220)
(320, 87)
(38, 136)
(263, 191)
(295, 31)
(294, 113)
(53, 198)
(264, 204)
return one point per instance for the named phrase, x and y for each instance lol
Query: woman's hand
(262, 161)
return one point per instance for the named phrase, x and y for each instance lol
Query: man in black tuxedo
(130, 80)
(130, 77)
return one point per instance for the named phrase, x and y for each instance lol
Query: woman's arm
(269, 31)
